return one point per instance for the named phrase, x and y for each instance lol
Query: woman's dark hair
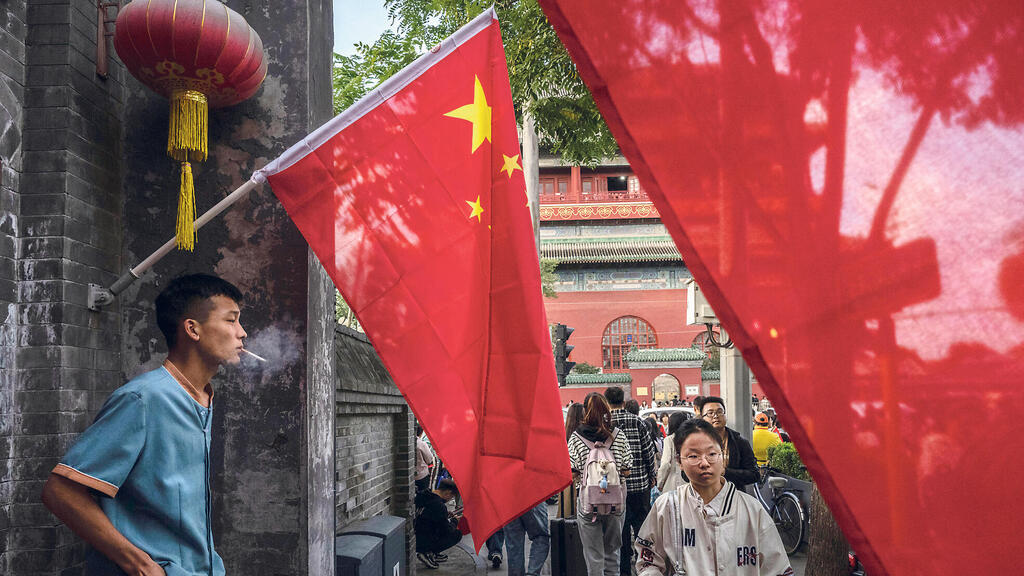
(188, 296)
(597, 414)
(652, 425)
(695, 426)
(633, 406)
(675, 421)
(573, 419)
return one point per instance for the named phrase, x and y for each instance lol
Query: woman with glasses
(708, 526)
(740, 463)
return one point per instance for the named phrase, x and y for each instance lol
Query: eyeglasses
(714, 414)
(711, 457)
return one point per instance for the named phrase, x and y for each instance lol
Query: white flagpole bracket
(99, 296)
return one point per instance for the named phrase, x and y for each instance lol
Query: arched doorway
(666, 387)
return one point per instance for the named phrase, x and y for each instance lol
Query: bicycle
(780, 496)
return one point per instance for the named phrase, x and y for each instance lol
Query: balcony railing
(594, 197)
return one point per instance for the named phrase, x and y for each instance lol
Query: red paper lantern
(198, 54)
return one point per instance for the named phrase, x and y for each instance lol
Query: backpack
(601, 489)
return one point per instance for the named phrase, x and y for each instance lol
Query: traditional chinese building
(621, 285)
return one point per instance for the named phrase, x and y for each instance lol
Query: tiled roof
(611, 249)
(711, 375)
(664, 355)
(613, 378)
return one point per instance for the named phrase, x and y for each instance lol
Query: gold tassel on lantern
(185, 232)
(186, 142)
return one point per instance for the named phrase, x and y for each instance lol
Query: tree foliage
(585, 368)
(543, 78)
(548, 277)
(343, 313)
(784, 458)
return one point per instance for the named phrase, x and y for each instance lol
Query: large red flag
(414, 200)
(845, 181)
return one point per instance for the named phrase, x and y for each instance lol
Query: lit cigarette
(256, 356)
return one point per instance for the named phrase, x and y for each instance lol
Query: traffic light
(562, 351)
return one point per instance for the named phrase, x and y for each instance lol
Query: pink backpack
(601, 489)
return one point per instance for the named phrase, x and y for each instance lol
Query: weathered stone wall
(87, 191)
(12, 94)
(67, 235)
(374, 438)
(272, 466)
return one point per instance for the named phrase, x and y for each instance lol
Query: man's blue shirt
(148, 453)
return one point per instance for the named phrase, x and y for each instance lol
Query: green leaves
(548, 277)
(543, 78)
(343, 313)
(354, 76)
(585, 368)
(784, 458)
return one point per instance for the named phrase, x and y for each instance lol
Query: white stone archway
(665, 387)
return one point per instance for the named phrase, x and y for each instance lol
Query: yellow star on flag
(477, 208)
(478, 113)
(511, 164)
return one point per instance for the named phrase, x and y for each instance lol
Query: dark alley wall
(86, 192)
(62, 169)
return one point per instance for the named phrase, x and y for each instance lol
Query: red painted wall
(577, 394)
(590, 312)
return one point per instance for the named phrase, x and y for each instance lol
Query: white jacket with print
(732, 536)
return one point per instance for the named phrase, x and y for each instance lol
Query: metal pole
(735, 381)
(99, 296)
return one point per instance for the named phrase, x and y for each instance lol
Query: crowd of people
(663, 497)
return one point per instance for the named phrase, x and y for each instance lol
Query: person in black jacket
(740, 464)
(436, 529)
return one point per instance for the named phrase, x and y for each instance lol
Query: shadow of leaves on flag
(843, 181)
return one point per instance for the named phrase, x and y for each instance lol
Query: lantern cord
(185, 231)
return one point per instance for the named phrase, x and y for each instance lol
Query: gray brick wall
(375, 459)
(79, 199)
(63, 233)
(366, 469)
(12, 94)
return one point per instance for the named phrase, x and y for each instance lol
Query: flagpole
(100, 296)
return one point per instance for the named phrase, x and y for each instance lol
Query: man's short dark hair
(695, 426)
(184, 297)
(448, 485)
(711, 400)
(614, 395)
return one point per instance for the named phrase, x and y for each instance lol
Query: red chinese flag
(845, 180)
(414, 200)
